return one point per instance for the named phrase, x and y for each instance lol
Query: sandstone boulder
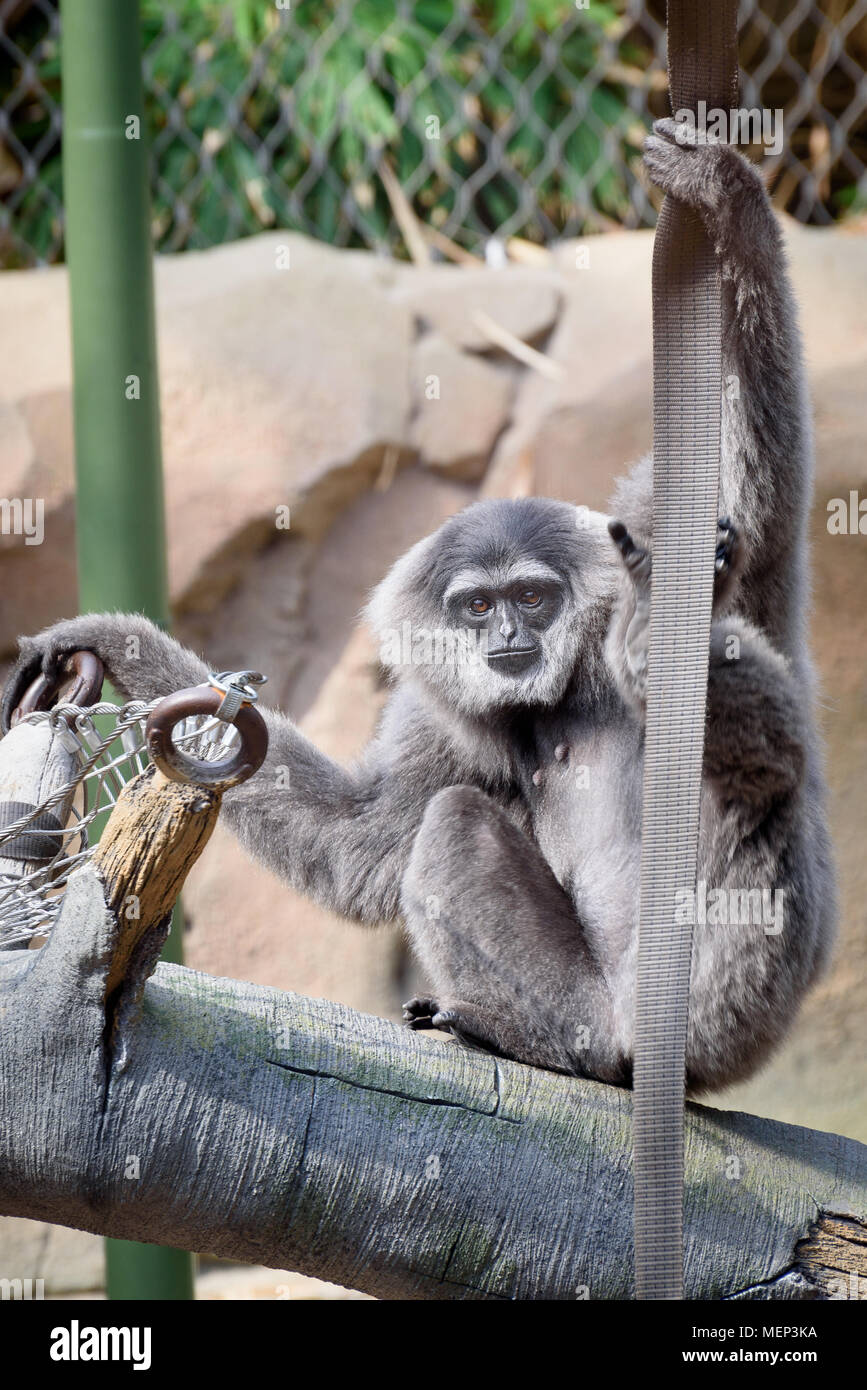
(447, 299)
(461, 407)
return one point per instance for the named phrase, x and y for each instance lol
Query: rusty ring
(179, 766)
(85, 689)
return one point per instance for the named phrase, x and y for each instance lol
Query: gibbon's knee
(459, 832)
(459, 820)
(460, 829)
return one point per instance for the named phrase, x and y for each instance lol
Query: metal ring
(86, 687)
(179, 766)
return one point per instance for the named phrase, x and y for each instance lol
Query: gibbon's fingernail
(560, 751)
(537, 777)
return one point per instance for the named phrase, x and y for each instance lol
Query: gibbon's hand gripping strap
(687, 409)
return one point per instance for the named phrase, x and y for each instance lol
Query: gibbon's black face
(491, 612)
(510, 614)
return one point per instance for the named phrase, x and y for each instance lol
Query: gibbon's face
(509, 609)
(491, 612)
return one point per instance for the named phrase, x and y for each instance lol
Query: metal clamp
(237, 689)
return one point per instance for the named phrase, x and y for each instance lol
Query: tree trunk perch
(229, 1118)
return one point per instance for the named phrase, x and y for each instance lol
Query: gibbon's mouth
(512, 658)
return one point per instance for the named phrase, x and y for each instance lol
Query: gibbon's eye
(479, 606)
(531, 598)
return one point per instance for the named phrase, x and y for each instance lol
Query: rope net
(104, 747)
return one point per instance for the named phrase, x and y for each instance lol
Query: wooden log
(36, 760)
(261, 1126)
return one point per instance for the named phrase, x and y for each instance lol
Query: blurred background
(260, 116)
(455, 191)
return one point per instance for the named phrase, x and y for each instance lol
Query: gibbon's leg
(629, 632)
(509, 967)
(755, 732)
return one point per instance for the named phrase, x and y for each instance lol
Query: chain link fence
(505, 118)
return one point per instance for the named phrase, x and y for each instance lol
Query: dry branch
(404, 216)
(153, 838)
(501, 337)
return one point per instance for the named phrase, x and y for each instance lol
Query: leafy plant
(261, 116)
(523, 115)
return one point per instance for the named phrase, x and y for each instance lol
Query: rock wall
(370, 399)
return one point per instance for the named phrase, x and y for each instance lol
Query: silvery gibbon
(497, 811)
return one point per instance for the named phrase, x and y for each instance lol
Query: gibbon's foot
(419, 1012)
(639, 564)
(463, 1021)
(635, 557)
(726, 549)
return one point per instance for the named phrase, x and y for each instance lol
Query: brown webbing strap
(687, 406)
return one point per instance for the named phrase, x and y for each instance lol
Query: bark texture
(225, 1117)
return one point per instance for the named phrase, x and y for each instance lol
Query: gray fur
(500, 814)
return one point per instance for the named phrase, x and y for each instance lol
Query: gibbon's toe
(419, 1012)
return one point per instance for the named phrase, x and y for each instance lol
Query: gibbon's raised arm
(766, 461)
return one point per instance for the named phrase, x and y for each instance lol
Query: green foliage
(334, 87)
(260, 116)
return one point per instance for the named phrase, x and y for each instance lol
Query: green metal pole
(119, 498)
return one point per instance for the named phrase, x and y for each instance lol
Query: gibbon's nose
(507, 627)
